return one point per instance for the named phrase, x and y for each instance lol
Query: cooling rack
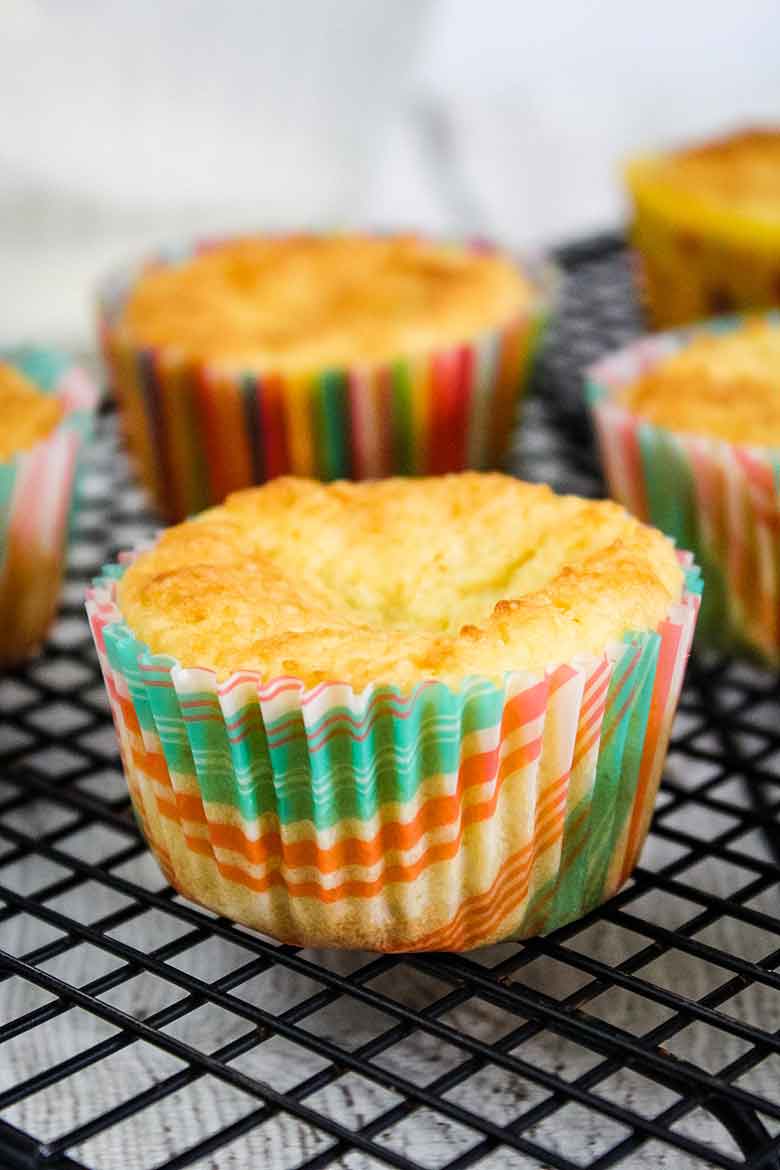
(139, 1031)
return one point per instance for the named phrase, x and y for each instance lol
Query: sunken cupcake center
(445, 586)
(397, 580)
(399, 558)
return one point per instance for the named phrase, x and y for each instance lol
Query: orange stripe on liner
(437, 813)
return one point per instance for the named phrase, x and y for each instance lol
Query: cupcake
(689, 429)
(46, 406)
(326, 356)
(706, 226)
(414, 714)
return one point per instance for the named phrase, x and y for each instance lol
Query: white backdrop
(126, 122)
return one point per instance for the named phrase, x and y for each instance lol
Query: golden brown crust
(740, 172)
(726, 386)
(398, 581)
(307, 302)
(27, 414)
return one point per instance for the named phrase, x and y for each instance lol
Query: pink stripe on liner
(756, 472)
(619, 441)
(61, 469)
(21, 525)
(41, 496)
(633, 470)
(363, 436)
(75, 390)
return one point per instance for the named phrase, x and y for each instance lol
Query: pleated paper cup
(696, 261)
(38, 500)
(720, 499)
(199, 431)
(438, 819)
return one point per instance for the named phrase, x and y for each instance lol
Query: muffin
(28, 414)
(326, 356)
(689, 429)
(706, 226)
(46, 408)
(414, 714)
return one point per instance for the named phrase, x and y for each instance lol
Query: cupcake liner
(720, 499)
(441, 819)
(38, 500)
(696, 262)
(199, 431)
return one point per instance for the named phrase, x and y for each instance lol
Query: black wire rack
(139, 1031)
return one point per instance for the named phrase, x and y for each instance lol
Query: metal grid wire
(138, 1030)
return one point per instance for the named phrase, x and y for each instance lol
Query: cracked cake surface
(723, 385)
(398, 580)
(295, 303)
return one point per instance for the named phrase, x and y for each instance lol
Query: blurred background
(128, 123)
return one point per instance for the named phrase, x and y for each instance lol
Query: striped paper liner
(720, 499)
(198, 432)
(38, 499)
(438, 819)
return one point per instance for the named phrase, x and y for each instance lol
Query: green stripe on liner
(163, 707)
(478, 714)
(45, 367)
(592, 829)
(332, 425)
(123, 654)
(693, 580)
(7, 481)
(403, 419)
(537, 338)
(716, 625)
(565, 890)
(594, 392)
(633, 749)
(198, 489)
(669, 483)
(618, 766)
(260, 769)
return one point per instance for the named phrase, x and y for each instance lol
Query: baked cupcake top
(27, 414)
(739, 173)
(398, 580)
(723, 385)
(307, 302)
